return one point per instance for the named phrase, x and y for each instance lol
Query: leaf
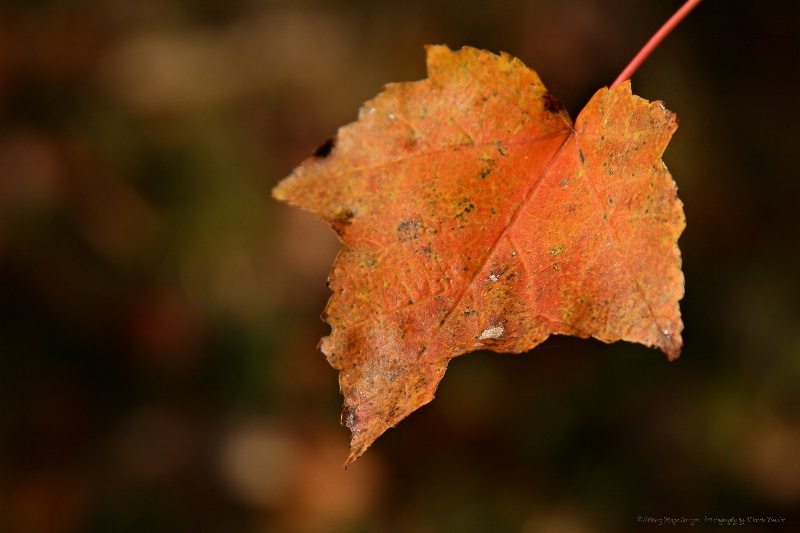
(474, 216)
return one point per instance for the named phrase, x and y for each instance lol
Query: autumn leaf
(476, 216)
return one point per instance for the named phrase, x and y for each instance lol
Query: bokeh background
(159, 312)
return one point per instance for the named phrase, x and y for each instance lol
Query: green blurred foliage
(159, 312)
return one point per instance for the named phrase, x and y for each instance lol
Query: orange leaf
(474, 216)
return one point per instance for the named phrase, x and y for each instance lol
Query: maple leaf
(475, 215)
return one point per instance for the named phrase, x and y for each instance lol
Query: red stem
(655, 40)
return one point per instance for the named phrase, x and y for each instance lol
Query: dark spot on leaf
(552, 104)
(325, 149)
(466, 207)
(487, 166)
(408, 230)
(345, 216)
(368, 262)
(341, 218)
(580, 154)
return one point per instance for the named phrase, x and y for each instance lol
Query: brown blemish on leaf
(340, 219)
(408, 230)
(325, 149)
(552, 104)
(487, 166)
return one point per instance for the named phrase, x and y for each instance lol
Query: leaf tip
(673, 352)
(352, 458)
(434, 52)
(357, 449)
(279, 191)
(672, 344)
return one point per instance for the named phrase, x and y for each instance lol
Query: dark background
(159, 312)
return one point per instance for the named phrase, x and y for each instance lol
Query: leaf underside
(475, 215)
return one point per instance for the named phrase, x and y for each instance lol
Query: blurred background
(159, 312)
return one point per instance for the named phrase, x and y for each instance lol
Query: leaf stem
(655, 40)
